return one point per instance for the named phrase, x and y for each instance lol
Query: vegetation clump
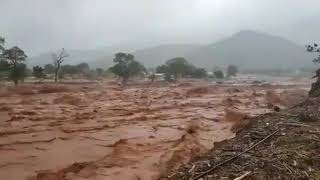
(126, 66)
(315, 88)
(38, 72)
(179, 67)
(12, 63)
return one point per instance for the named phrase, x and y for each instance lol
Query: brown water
(135, 133)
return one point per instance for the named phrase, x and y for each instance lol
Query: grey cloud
(40, 25)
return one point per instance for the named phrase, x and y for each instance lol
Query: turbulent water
(140, 132)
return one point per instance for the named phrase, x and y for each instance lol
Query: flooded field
(104, 132)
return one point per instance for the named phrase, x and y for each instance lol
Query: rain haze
(159, 89)
(40, 25)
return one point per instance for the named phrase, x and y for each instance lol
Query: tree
(49, 69)
(218, 74)
(4, 69)
(126, 66)
(176, 67)
(38, 72)
(232, 70)
(15, 58)
(315, 88)
(18, 73)
(2, 41)
(312, 49)
(4, 65)
(58, 59)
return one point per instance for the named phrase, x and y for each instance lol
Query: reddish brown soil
(100, 131)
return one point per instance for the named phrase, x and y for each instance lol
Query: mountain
(151, 57)
(246, 49)
(158, 55)
(252, 50)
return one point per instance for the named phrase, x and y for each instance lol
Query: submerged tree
(315, 88)
(58, 59)
(126, 66)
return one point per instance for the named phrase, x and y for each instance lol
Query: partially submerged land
(142, 131)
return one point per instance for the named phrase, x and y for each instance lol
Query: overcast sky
(41, 25)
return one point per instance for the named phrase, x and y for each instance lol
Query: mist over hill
(250, 49)
(247, 49)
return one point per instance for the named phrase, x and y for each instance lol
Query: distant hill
(155, 56)
(250, 49)
(247, 49)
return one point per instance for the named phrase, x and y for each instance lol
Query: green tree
(232, 70)
(314, 49)
(176, 67)
(126, 67)
(58, 59)
(18, 73)
(4, 65)
(315, 88)
(15, 58)
(38, 72)
(4, 69)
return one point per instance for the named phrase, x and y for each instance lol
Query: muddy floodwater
(104, 132)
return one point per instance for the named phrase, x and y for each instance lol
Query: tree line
(126, 67)
(13, 67)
